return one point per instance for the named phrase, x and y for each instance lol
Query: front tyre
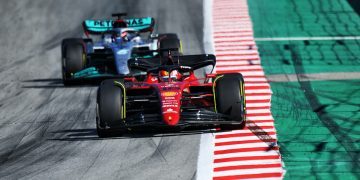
(73, 58)
(230, 99)
(110, 110)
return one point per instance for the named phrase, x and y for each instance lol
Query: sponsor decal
(170, 105)
(170, 88)
(167, 98)
(109, 23)
(170, 110)
(133, 22)
(103, 23)
(185, 67)
(170, 101)
(169, 93)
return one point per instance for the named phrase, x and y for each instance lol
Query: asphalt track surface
(47, 131)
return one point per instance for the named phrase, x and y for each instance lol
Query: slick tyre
(230, 99)
(73, 58)
(110, 109)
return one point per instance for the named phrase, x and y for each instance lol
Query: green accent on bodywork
(139, 56)
(317, 122)
(86, 72)
(106, 25)
(90, 72)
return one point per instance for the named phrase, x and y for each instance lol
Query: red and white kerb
(251, 153)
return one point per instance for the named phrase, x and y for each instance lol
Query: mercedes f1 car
(170, 95)
(120, 40)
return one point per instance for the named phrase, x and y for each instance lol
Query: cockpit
(166, 76)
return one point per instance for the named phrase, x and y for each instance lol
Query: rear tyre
(230, 99)
(170, 41)
(73, 58)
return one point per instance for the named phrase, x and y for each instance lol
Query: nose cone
(171, 119)
(170, 94)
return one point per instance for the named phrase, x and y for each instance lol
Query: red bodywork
(171, 93)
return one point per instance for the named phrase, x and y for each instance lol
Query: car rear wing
(92, 26)
(193, 61)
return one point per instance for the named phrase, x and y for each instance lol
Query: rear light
(171, 119)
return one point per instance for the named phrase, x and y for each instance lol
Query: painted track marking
(251, 152)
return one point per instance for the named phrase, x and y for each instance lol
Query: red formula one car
(170, 95)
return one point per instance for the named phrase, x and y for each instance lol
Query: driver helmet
(124, 36)
(175, 75)
(120, 35)
(118, 25)
(163, 75)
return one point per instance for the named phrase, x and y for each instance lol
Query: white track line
(256, 84)
(238, 146)
(258, 98)
(247, 171)
(245, 138)
(244, 131)
(243, 154)
(259, 118)
(259, 91)
(244, 65)
(237, 52)
(205, 159)
(249, 162)
(258, 110)
(257, 104)
(242, 62)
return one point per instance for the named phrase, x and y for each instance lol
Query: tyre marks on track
(251, 153)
